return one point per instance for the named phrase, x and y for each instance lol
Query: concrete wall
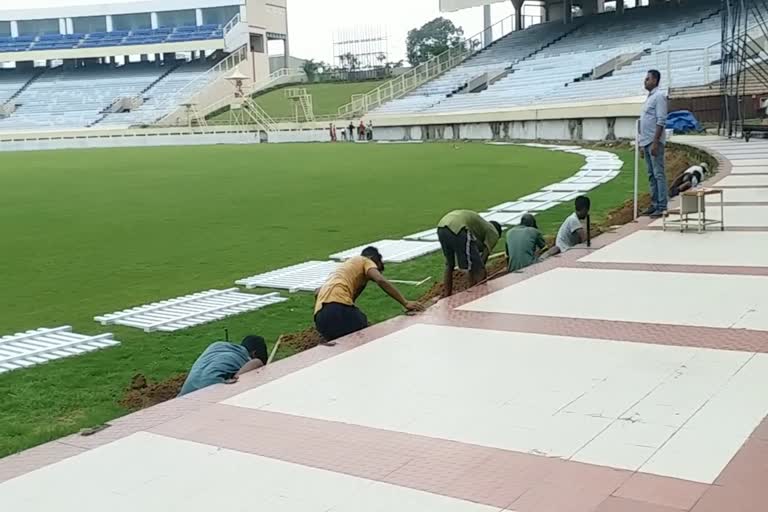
(300, 136)
(595, 129)
(130, 141)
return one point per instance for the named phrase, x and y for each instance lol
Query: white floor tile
(694, 455)
(735, 180)
(675, 248)
(741, 195)
(735, 217)
(737, 168)
(656, 297)
(617, 455)
(150, 473)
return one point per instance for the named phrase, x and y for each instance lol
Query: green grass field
(87, 232)
(326, 98)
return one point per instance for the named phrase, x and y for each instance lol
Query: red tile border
(671, 492)
(480, 474)
(660, 334)
(613, 504)
(687, 269)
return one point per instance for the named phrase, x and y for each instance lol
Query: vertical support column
(243, 13)
(487, 35)
(567, 15)
(14, 28)
(62, 26)
(589, 7)
(108, 23)
(198, 17)
(619, 6)
(518, 5)
(153, 20)
(70, 26)
(286, 46)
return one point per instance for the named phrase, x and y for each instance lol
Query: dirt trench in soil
(141, 393)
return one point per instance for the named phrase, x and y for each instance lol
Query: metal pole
(637, 164)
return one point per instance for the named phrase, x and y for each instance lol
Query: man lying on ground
(572, 232)
(335, 312)
(467, 239)
(524, 243)
(224, 362)
(690, 178)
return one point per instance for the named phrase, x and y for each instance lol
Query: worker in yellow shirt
(335, 312)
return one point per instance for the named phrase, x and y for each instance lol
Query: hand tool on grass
(412, 283)
(274, 349)
(94, 430)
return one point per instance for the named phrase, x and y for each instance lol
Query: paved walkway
(630, 377)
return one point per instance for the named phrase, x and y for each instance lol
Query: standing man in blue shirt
(651, 139)
(224, 362)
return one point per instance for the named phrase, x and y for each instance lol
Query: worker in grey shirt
(652, 139)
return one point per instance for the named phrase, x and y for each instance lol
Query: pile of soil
(141, 393)
(495, 268)
(302, 340)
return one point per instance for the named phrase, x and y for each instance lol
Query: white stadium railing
(421, 74)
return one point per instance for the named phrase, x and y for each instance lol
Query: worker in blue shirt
(224, 362)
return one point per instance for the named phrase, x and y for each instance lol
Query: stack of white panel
(306, 277)
(393, 251)
(189, 310)
(428, 235)
(42, 345)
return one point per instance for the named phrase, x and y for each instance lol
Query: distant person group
(364, 132)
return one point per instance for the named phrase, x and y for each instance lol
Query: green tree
(310, 68)
(433, 38)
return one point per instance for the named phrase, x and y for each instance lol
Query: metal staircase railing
(258, 115)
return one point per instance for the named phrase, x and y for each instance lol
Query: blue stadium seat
(187, 28)
(25, 39)
(50, 37)
(97, 35)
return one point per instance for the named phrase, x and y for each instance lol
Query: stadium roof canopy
(457, 5)
(107, 9)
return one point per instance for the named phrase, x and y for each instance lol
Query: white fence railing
(419, 75)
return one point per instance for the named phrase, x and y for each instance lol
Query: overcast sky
(313, 23)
